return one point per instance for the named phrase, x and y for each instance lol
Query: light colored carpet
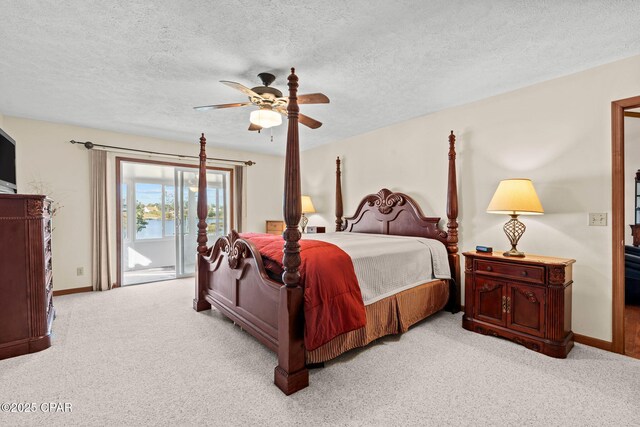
(148, 275)
(142, 356)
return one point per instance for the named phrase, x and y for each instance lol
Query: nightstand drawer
(528, 273)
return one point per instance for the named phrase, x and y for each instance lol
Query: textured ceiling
(140, 66)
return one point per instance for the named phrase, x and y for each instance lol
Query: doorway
(626, 275)
(157, 217)
(632, 235)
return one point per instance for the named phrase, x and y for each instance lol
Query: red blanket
(332, 299)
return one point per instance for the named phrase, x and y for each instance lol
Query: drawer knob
(489, 268)
(524, 274)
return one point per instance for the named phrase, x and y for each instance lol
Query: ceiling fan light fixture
(265, 118)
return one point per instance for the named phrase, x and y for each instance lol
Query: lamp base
(513, 252)
(303, 222)
(514, 229)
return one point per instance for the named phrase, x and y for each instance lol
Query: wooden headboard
(393, 213)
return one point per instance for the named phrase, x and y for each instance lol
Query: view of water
(153, 230)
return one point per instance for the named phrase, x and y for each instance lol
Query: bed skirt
(391, 315)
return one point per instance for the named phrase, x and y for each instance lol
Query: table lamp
(515, 197)
(307, 207)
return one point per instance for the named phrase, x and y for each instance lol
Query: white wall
(558, 133)
(631, 165)
(145, 254)
(45, 155)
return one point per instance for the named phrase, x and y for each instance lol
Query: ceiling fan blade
(313, 98)
(241, 88)
(305, 120)
(213, 107)
(309, 98)
(308, 121)
(253, 127)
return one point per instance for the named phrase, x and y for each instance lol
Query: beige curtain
(239, 196)
(100, 253)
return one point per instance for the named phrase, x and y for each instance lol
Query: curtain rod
(90, 145)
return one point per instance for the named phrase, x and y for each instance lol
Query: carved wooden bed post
(199, 303)
(452, 225)
(291, 373)
(338, 196)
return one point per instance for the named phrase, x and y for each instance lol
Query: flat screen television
(7, 164)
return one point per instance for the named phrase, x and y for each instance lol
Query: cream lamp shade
(265, 118)
(515, 197)
(307, 205)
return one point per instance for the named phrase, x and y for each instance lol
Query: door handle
(504, 304)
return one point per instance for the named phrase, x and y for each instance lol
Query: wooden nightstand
(526, 300)
(275, 227)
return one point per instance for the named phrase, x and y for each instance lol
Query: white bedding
(386, 265)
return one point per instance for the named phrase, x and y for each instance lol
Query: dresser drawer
(529, 273)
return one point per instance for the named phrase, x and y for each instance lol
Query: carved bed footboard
(236, 284)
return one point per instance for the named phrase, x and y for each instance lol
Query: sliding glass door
(158, 218)
(218, 213)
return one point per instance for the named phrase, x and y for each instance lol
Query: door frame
(119, 161)
(618, 223)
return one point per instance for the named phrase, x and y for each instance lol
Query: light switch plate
(598, 219)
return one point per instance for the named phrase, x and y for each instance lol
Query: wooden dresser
(275, 226)
(26, 280)
(526, 300)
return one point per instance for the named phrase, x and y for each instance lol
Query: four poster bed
(313, 317)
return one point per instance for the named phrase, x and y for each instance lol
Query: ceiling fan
(270, 102)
